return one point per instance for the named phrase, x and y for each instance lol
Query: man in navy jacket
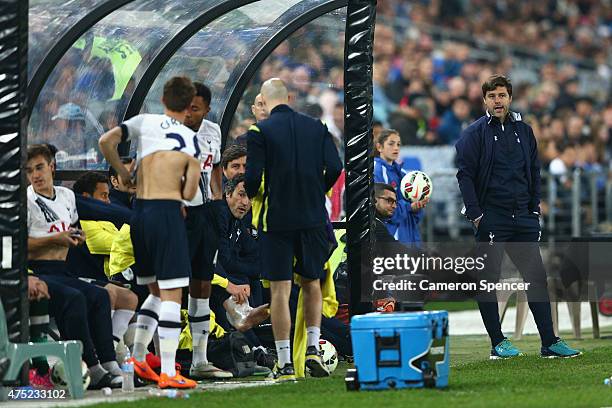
(296, 159)
(499, 178)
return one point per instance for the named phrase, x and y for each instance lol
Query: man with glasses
(386, 203)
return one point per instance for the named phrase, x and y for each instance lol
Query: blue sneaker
(505, 349)
(559, 349)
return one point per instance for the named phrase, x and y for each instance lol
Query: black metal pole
(13, 146)
(359, 165)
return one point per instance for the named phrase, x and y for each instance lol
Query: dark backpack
(232, 353)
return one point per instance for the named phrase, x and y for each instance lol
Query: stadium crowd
(430, 59)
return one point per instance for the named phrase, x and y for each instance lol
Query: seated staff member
(122, 193)
(91, 260)
(82, 310)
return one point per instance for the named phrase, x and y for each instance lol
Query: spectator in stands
(404, 225)
(82, 310)
(564, 163)
(454, 121)
(90, 261)
(76, 136)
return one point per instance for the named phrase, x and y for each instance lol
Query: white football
(330, 355)
(416, 186)
(59, 377)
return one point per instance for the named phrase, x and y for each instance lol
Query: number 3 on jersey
(182, 143)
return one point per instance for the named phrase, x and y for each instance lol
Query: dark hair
(567, 145)
(88, 182)
(111, 170)
(495, 81)
(231, 184)
(232, 153)
(40, 150)
(379, 188)
(178, 94)
(203, 91)
(382, 138)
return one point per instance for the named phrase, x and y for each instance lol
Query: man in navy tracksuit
(499, 178)
(295, 159)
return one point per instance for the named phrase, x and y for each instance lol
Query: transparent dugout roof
(91, 86)
(48, 21)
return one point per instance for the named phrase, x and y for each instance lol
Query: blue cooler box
(399, 350)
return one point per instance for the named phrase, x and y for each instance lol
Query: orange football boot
(178, 381)
(144, 371)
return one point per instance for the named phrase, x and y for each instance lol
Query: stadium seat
(410, 163)
(555, 288)
(13, 355)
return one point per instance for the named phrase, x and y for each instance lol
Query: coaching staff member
(295, 158)
(499, 178)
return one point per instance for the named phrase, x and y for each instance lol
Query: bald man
(301, 163)
(259, 109)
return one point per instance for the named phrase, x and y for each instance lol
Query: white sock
(112, 367)
(313, 335)
(128, 337)
(156, 343)
(169, 330)
(121, 320)
(146, 325)
(283, 350)
(199, 322)
(96, 372)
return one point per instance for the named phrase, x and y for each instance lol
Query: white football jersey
(49, 216)
(155, 133)
(209, 140)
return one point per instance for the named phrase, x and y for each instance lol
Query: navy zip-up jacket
(296, 157)
(475, 154)
(120, 198)
(238, 250)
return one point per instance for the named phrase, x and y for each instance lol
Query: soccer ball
(330, 355)
(416, 186)
(59, 378)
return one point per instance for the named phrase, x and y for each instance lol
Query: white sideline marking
(7, 252)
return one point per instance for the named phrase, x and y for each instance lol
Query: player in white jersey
(167, 174)
(76, 305)
(203, 232)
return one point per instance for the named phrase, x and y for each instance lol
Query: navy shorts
(203, 238)
(160, 244)
(309, 247)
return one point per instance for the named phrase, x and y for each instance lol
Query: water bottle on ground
(127, 371)
(168, 393)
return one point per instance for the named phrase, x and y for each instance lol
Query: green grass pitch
(475, 381)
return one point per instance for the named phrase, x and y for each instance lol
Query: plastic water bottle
(127, 372)
(608, 382)
(169, 393)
